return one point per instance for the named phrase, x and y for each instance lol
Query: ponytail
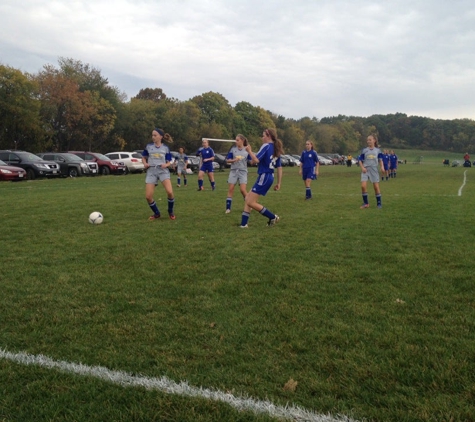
(278, 145)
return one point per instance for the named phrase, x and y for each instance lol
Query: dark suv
(106, 165)
(31, 163)
(71, 165)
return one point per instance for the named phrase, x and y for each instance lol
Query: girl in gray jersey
(369, 160)
(237, 157)
(156, 158)
(181, 162)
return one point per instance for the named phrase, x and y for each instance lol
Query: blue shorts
(263, 183)
(309, 173)
(207, 167)
(386, 166)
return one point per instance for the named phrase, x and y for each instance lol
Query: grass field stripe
(168, 386)
(464, 181)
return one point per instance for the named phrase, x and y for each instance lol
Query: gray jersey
(241, 155)
(181, 161)
(157, 156)
(370, 157)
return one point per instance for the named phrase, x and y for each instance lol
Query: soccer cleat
(273, 221)
(178, 186)
(308, 197)
(172, 216)
(364, 206)
(244, 227)
(154, 217)
(201, 188)
(380, 206)
(227, 211)
(213, 188)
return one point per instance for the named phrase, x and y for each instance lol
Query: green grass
(370, 311)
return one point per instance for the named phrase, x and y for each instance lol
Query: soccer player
(207, 157)
(156, 158)
(368, 160)
(237, 157)
(309, 166)
(385, 159)
(392, 164)
(181, 162)
(267, 158)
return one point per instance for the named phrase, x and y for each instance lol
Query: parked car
(106, 165)
(284, 161)
(292, 160)
(220, 159)
(133, 160)
(31, 163)
(297, 157)
(11, 173)
(193, 163)
(71, 165)
(324, 161)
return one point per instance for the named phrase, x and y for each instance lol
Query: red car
(106, 165)
(11, 173)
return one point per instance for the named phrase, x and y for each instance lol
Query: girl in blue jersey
(309, 166)
(385, 165)
(181, 162)
(392, 164)
(267, 158)
(237, 157)
(207, 157)
(156, 158)
(369, 159)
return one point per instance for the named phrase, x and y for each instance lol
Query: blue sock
(365, 198)
(171, 204)
(266, 213)
(213, 185)
(154, 208)
(185, 181)
(378, 199)
(200, 184)
(228, 203)
(308, 193)
(244, 218)
(178, 180)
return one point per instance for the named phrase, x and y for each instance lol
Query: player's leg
(167, 184)
(149, 190)
(229, 198)
(200, 179)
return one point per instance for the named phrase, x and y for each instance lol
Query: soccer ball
(95, 217)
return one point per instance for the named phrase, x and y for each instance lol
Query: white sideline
(168, 386)
(464, 181)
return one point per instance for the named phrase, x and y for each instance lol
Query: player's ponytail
(278, 145)
(165, 136)
(375, 137)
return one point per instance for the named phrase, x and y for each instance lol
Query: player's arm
(254, 159)
(145, 159)
(279, 178)
(360, 162)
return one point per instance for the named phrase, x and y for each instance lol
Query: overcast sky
(296, 58)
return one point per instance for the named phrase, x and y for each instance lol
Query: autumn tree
(20, 124)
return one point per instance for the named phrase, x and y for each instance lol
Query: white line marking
(165, 385)
(464, 181)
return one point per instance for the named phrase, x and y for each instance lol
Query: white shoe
(244, 227)
(227, 211)
(274, 221)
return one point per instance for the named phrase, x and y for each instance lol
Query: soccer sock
(178, 180)
(266, 213)
(244, 218)
(154, 208)
(308, 193)
(213, 185)
(228, 203)
(171, 204)
(378, 199)
(394, 174)
(365, 198)
(185, 182)
(200, 183)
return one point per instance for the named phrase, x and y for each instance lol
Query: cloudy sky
(296, 58)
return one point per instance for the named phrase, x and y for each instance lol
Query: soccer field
(367, 314)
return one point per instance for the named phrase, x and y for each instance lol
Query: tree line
(72, 106)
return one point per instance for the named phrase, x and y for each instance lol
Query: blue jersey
(393, 160)
(309, 159)
(267, 161)
(157, 156)
(205, 152)
(385, 159)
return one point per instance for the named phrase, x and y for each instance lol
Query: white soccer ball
(96, 217)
